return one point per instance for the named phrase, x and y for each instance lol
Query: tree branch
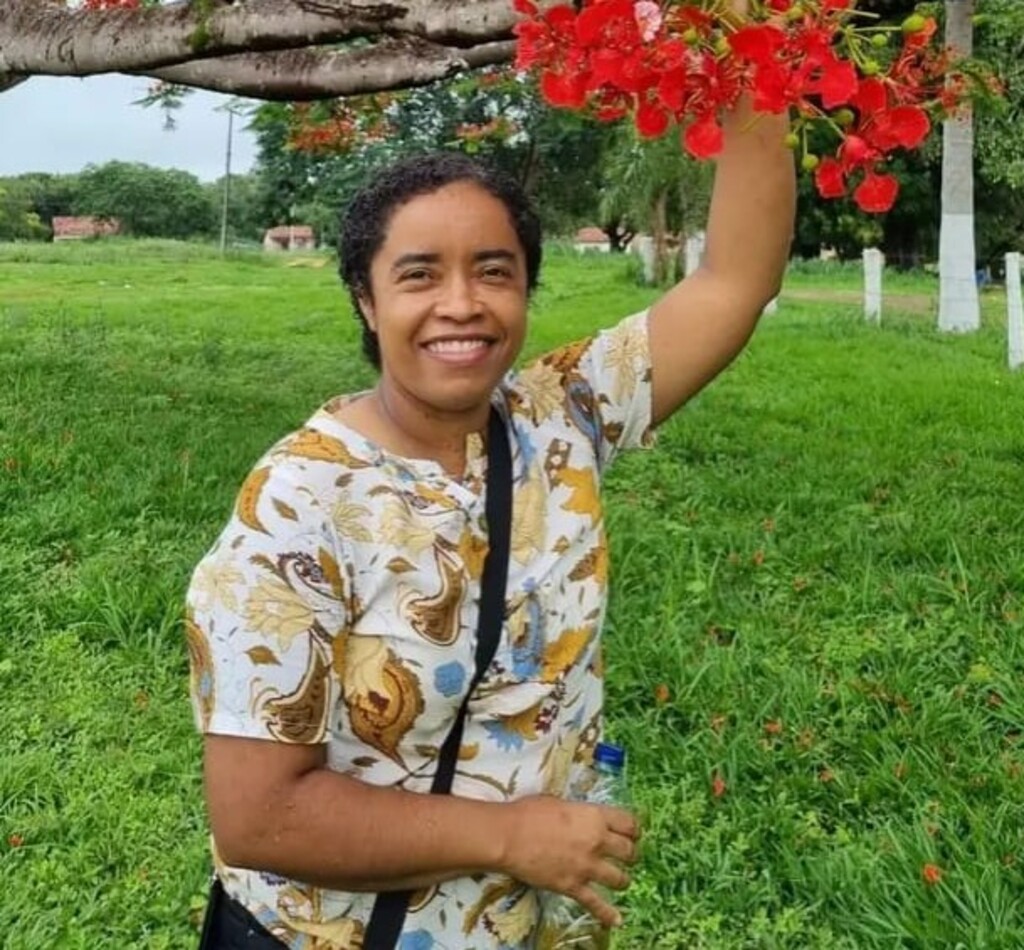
(314, 73)
(10, 80)
(49, 39)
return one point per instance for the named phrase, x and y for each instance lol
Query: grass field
(815, 649)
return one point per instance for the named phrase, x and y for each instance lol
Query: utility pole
(227, 187)
(232, 108)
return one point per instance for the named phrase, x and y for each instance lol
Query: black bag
(228, 925)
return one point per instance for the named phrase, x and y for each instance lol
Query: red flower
(563, 90)
(907, 126)
(838, 84)
(660, 62)
(871, 97)
(855, 151)
(830, 179)
(931, 874)
(651, 119)
(718, 786)
(704, 138)
(758, 43)
(877, 193)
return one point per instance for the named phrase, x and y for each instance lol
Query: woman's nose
(458, 299)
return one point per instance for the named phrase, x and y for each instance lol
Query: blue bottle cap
(609, 755)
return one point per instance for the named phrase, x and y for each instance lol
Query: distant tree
(245, 218)
(18, 222)
(657, 189)
(149, 202)
(49, 195)
(311, 159)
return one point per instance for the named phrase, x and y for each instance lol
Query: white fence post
(874, 264)
(694, 251)
(1014, 311)
(643, 246)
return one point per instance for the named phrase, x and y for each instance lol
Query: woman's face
(448, 299)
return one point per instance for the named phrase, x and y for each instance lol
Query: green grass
(823, 564)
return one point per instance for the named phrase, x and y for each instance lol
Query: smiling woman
(446, 304)
(336, 628)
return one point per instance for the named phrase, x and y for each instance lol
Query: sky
(50, 124)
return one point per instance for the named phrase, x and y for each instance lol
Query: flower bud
(913, 23)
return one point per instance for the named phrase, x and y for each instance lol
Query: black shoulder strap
(390, 908)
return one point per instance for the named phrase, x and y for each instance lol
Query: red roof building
(67, 228)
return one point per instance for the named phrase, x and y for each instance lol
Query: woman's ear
(366, 306)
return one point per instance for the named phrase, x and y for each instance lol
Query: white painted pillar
(874, 264)
(1015, 311)
(643, 246)
(694, 251)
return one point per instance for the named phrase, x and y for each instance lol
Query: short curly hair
(364, 222)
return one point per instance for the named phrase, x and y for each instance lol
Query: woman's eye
(418, 274)
(497, 273)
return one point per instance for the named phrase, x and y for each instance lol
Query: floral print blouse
(339, 606)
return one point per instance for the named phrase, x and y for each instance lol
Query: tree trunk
(659, 231)
(959, 310)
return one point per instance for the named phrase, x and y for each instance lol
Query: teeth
(455, 346)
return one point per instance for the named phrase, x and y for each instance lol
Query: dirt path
(907, 303)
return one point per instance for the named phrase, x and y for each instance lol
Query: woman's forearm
(334, 831)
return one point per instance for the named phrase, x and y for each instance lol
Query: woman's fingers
(622, 822)
(597, 907)
(622, 849)
(611, 876)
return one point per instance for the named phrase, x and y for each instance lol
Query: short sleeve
(266, 616)
(603, 384)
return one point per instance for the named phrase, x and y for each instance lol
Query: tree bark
(959, 309)
(10, 80)
(659, 231)
(49, 39)
(305, 74)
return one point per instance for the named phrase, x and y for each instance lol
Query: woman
(331, 628)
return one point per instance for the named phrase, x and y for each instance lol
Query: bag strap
(390, 908)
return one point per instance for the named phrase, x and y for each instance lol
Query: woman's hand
(569, 847)
(737, 11)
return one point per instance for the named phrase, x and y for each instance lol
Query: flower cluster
(499, 129)
(345, 124)
(876, 88)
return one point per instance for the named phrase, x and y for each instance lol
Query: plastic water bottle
(565, 925)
